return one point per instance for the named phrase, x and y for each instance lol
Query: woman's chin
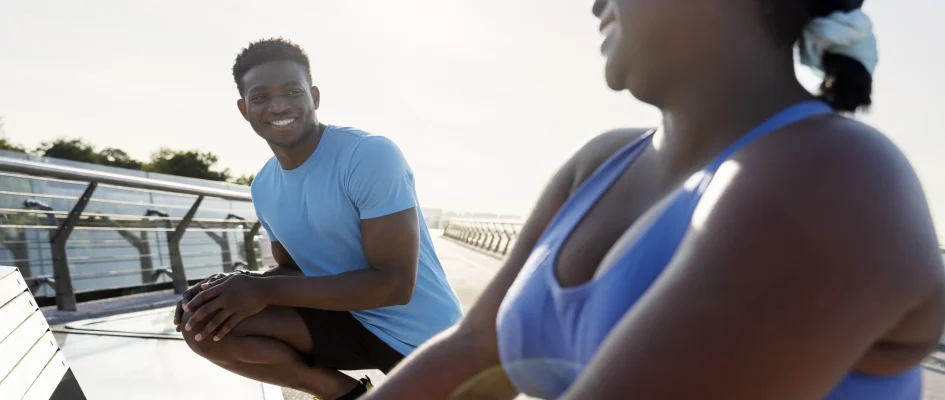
(616, 80)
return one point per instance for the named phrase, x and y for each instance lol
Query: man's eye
(257, 98)
(295, 92)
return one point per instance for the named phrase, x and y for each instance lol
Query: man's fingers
(202, 313)
(210, 284)
(227, 326)
(211, 326)
(192, 291)
(212, 281)
(179, 312)
(189, 294)
(202, 298)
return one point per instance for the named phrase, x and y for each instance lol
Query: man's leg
(273, 347)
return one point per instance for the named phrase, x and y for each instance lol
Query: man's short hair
(269, 50)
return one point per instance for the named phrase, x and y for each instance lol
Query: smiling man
(358, 284)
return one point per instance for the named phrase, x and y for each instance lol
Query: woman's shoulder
(598, 150)
(854, 189)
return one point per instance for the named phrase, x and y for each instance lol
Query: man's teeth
(283, 122)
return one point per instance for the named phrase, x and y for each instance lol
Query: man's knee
(205, 348)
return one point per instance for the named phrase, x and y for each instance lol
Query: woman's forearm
(452, 365)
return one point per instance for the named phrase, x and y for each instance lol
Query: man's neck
(292, 157)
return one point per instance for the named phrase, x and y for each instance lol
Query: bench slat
(4, 271)
(15, 385)
(48, 381)
(15, 312)
(15, 346)
(32, 366)
(11, 286)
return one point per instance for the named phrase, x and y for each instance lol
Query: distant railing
(139, 231)
(495, 237)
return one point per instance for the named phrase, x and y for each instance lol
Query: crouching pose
(358, 285)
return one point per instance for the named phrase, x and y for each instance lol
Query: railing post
(494, 237)
(178, 274)
(480, 235)
(143, 245)
(250, 244)
(223, 241)
(467, 232)
(508, 237)
(65, 294)
(21, 255)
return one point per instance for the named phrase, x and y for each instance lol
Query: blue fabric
(315, 212)
(547, 333)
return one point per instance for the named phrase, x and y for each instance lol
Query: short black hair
(848, 85)
(269, 50)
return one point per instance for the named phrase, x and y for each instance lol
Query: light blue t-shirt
(315, 210)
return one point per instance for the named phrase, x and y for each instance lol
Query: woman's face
(650, 45)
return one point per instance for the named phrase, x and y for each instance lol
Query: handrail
(108, 178)
(61, 224)
(495, 237)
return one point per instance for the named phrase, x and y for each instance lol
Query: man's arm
(391, 245)
(285, 265)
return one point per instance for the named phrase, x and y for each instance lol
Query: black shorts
(342, 343)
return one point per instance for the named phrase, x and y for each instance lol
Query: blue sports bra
(548, 333)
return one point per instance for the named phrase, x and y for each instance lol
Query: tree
(82, 151)
(118, 158)
(190, 163)
(246, 180)
(5, 143)
(69, 149)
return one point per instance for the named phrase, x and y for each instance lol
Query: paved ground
(156, 364)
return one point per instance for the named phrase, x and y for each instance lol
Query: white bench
(31, 364)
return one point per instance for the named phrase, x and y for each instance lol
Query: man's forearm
(362, 289)
(282, 270)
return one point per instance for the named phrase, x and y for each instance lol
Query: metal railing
(20, 227)
(494, 237)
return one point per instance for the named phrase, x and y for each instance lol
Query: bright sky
(485, 97)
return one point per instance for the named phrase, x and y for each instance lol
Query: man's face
(279, 103)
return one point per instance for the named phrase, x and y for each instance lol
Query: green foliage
(245, 180)
(69, 149)
(118, 158)
(190, 163)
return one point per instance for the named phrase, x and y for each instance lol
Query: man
(358, 285)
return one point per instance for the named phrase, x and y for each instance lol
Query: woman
(757, 246)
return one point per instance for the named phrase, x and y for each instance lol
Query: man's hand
(190, 293)
(231, 300)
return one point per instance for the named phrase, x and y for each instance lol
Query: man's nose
(278, 105)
